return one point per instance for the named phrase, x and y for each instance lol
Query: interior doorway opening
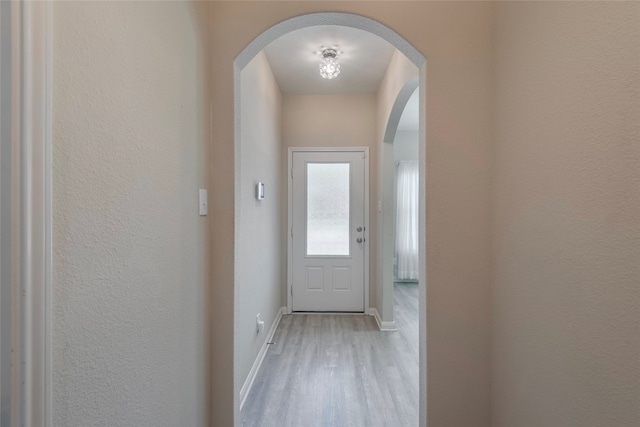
(401, 190)
(250, 213)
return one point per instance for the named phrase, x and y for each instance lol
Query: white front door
(328, 243)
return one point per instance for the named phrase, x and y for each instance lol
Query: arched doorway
(388, 174)
(241, 61)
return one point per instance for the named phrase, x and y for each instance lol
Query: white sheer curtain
(407, 220)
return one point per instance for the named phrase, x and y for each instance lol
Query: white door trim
(30, 206)
(291, 150)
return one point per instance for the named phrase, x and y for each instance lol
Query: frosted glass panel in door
(328, 209)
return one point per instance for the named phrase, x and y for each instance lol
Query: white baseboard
(383, 326)
(246, 387)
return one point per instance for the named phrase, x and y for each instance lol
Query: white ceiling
(295, 57)
(363, 57)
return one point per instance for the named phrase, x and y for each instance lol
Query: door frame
(26, 223)
(291, 150)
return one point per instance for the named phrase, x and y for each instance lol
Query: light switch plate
(202, 202)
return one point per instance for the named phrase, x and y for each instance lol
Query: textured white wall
(566, 224)
(259, 276)
(131, 126)
(332, 121)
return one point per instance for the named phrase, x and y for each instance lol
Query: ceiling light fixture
(329, 67)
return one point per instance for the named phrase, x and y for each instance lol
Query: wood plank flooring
(340, 370)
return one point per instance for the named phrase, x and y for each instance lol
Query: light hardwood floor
(340, 370)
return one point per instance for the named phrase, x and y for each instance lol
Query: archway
(241, 61)
(398, 107)
(387, 245)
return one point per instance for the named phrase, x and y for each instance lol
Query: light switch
(202, 201)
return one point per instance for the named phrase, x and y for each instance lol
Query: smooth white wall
(259, 277)
(328, 120)
(566, 215)
(131, 255)
(333, 121)
(405, 145)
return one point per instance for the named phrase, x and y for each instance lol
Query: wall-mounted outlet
(259, 324)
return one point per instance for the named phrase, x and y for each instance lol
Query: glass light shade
(329, 68)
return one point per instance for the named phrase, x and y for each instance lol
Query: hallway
(340, 370)
(141, 277)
